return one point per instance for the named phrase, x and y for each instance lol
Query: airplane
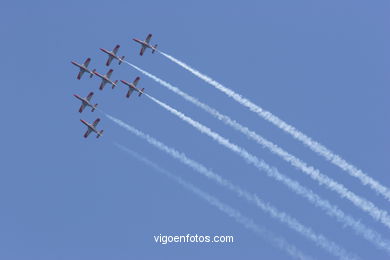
(84, 68)
(106, 79)
(86, 102)
(132, 87)
(112, 55)
(145, 44)
(92, 128)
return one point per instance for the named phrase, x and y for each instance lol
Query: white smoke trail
(362, 203)
(377, 214)
(331, 210)
(291, 222)
(236, 215)
(298, 135)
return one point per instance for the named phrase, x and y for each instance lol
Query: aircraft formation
(106, 79)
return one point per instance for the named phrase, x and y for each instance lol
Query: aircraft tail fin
(141, 92)
(154, 48)
(100, 133)
(94, 107)
(121, 59)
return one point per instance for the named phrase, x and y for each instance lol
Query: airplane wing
(87, 61)
(142, 50)
(104, 82)
(83, 105)
(89, 96)
(135, 82)
(115, 50)
(96, 122)
(148, 38)
(88, 132)
(109, 60)
(129, 92)
(109, 73)
(80, 74)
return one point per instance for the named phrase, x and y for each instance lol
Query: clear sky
(321, 66)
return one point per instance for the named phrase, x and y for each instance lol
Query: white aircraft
(112, 55)
(83, 68)
(106, 79)
(92, 128)
(86, 102)
(132, 87)
(145, 44)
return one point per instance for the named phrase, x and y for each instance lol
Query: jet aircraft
(132, 87)
(83, 68)
(92, 128)
(106, 79)
(112, 55)
(86, 102)
(145, 44)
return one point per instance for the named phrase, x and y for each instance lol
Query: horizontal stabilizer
(154, 48)
(100, 134)
(121, 59)
(141, 92)
(91, 74)
(113, 85)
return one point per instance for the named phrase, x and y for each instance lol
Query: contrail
(325, 205)
(295, 133)
(376, 213)
(291, 222)
(362, 203)
(231, 212)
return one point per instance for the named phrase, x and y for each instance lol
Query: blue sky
(320, 66)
